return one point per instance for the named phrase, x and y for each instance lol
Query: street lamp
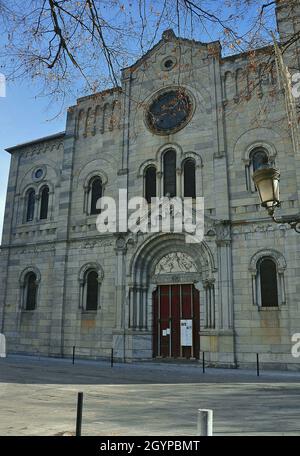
(266, 180)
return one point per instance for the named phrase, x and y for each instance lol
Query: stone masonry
(237, 107)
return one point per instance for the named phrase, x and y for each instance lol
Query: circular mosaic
(169, 112)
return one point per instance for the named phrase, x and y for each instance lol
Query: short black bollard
(79, 414)
(203, 362)
(73, 354)
(112, 358)
(257, 364)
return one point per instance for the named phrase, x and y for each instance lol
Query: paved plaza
(38, 397)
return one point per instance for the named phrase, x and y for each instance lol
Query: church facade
(153, 295)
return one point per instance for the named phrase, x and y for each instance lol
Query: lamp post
(266, 180)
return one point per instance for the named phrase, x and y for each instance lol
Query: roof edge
(36, 141)
(260, 50)
(99, 94)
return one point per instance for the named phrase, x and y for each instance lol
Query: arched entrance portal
(168, 279)
(176, 321)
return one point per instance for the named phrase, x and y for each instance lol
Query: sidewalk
(38, 397)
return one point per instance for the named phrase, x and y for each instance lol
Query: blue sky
(22, 117)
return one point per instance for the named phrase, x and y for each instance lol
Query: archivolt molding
(91, 169)
(96, 173)
(272, 253)
(144, 166)
(256, 137)
(24, 273)
(195, 156)
(90, 266)
(268, 147)
(180, 158)
(165, 148)
(146, 258)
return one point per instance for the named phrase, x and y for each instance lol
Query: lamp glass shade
(267, 184)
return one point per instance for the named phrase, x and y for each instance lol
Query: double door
(176, 321)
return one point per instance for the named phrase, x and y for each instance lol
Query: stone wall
(237, 106)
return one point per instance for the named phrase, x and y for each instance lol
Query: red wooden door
(171, 305)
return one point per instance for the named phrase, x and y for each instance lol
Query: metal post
(79, 414)
(73, 354)
(205, 422)
(112, 358)
(203, 362)
(257, 364)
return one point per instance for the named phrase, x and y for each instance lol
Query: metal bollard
(73, 360)
(205, 422)
(79, 414)
(203, 362)
(257, 364)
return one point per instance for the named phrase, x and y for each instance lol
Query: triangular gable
(169, 36)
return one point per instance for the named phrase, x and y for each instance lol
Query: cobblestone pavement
(38, 397)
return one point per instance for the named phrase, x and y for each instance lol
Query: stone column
(179, 189)
(120, 283)
(209, 303)
(281, 287)
(138, 313)
(225, 275)
(144, 309)
(160, 177)
(37, 207)
(254, 289)
(225, 281)
(199, 180)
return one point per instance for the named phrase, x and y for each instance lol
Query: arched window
(44, 203)
(267, 271)
(30, 203)
(30, 291)
(170, 173)
(91, 285)
(189, 176)
(95, 192)
(259, 158)
(90, 278)
(150, 183)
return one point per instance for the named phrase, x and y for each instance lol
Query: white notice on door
(186, 333)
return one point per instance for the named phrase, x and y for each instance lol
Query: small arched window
(44, 203)
(259, 158)
(267, 271)
(189, 176)
(30, 204)
(30, 291)
(91, 290)
(169, 162)
(95, 191)
(150, 183)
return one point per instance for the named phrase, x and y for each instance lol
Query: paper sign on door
(186, 333)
